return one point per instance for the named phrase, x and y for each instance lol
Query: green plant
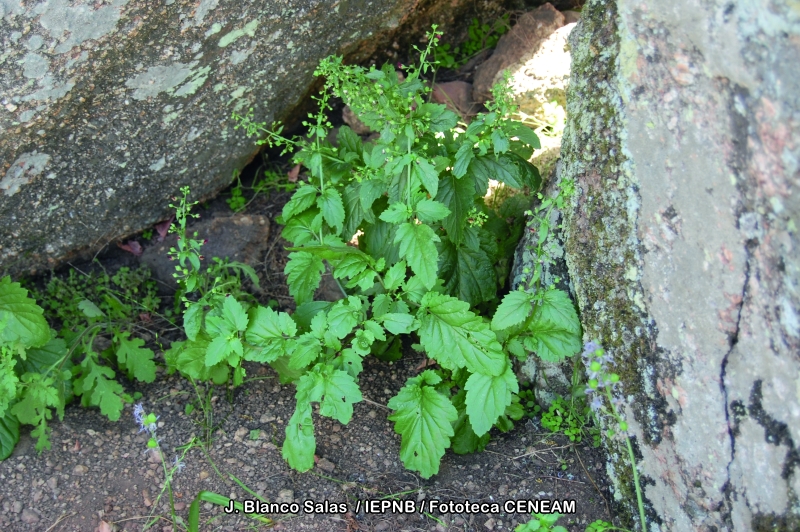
(423, 261)
(147, 234)
(236, 202)
(40, 372)
(542, 523)
(263, 182)
(480, 37)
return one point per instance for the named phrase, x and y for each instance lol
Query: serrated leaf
(332, 209)
(234, 314)
(343, 316)
(300, 444)
(525, 134)
(334, 389)
(350, 362)
(105, 392)
(458, 195)
(23, 318)
(347, 139)
(190, 360)
(464, 440)
(221, 348)
(555, 328)
(397, 323)
(396, 213)
(354, 212)
(193, 320)
(487, 398)
(499, 141)
(9, 434)
(375, 329)
(136, 360)
(488, 167)
(303, 198)
(423, 418)
(304, 272)
(89, 309)
(306, 351)
(469, 272)
(426, 173)
(395, 276)
(429, 211)
(416, 246)
(514, 309)
(303, 228)
(457, 338)
(272, 332)
(464, 156)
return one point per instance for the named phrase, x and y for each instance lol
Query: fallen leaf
(132, 246)
(163, 228)
(293, 174)
(427, 362)
(76, 448)
(104, 527)
(145, 317)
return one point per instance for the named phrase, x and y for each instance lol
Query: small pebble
(203, 475)
(80, 469)
(29, 516)
(285, 496)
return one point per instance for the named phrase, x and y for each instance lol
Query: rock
(326, 465)
(489, 524)
(350, 118)
(30, 516)
(524, 38)
(457, 96)
(571, 17)
(52, 483)
(285, 496)
(241, 237)
(108, 108)
(203, 475)
(80, 470)
(16, 507)
(684, 253)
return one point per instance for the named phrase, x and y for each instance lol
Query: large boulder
(107, 108)
(683, 137)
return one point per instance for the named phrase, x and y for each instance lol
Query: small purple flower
(177, 464)
(589, 348)
(596, 403)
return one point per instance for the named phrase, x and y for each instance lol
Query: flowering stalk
(597, 363)
(148, 423)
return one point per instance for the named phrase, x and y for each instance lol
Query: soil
(98, 475)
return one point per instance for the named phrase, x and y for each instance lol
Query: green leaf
(302, 199)
(272, 332)
(89, 309)
(9, 434)
(555, 329)
(426, 173)
(457, 338)
(350, 362)
(458, 195)
(105, 392)
(487, 398)
(306, 351)
(464, 156)
(300, 444)
(514, 309)
(528, 175)
(464, 440)
(469, 273)
(343, 316)
(499, 141)
(190, 360)
(397, 323)
(138, 362)
(525, 134)
(306, 312)
(193, 320)
(423, 418)
(488, 167)
(397, 213)
(332, 209)
(334, 389)
(395, 276)
(431, 211)
(234, 313)
(347, 139)
(25, 323)
(354, 212)
(416, 245)
(304, 272)
(303, 228)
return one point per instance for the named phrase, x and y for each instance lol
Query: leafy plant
(480, 37)
(542, 523)
(40, 372)
(264, 181)
(424, 265)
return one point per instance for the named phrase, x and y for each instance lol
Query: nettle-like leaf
(136, 360)
(300, 444)
(193, 320)
(334, 389)
(344, 316)
(429, 211)
(458, 338)
(464, 440)
(416, 243)
(23, 318)
(458, 195)
(555, 328)
(303, 198)
(9, 434)
(469, 272)
(190, 359)
(272, 333)
(332, 208)
(304, 272)
(514, 309)
(423, 418)
(487, 398)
